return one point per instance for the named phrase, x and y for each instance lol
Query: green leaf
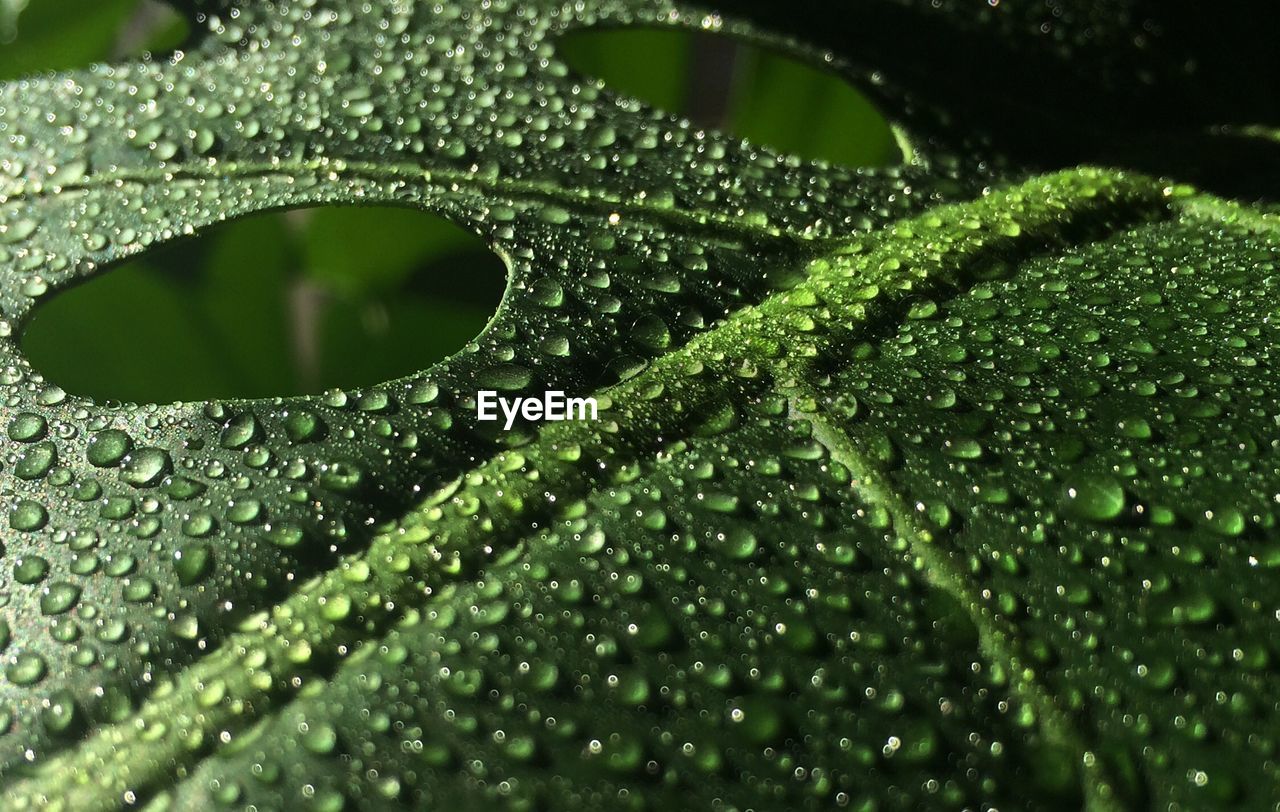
(938, 486)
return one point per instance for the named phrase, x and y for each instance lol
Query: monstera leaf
(946, 485)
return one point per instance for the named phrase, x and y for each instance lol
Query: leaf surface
(948, 484)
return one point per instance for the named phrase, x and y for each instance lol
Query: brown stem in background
(709, 93)
(150, 17)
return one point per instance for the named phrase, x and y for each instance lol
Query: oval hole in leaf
(279, 304)
(721, 82)
(53, 35)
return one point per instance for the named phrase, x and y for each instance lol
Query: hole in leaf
(288, 303)
(720, 82)
(50, 35)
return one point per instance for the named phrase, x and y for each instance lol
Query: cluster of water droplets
(139, 535)
(1094, 436)
(615, 615)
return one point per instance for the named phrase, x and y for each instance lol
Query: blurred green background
(301, 301)
(722, 83)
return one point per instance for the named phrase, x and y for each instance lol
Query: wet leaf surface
(935, 486)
